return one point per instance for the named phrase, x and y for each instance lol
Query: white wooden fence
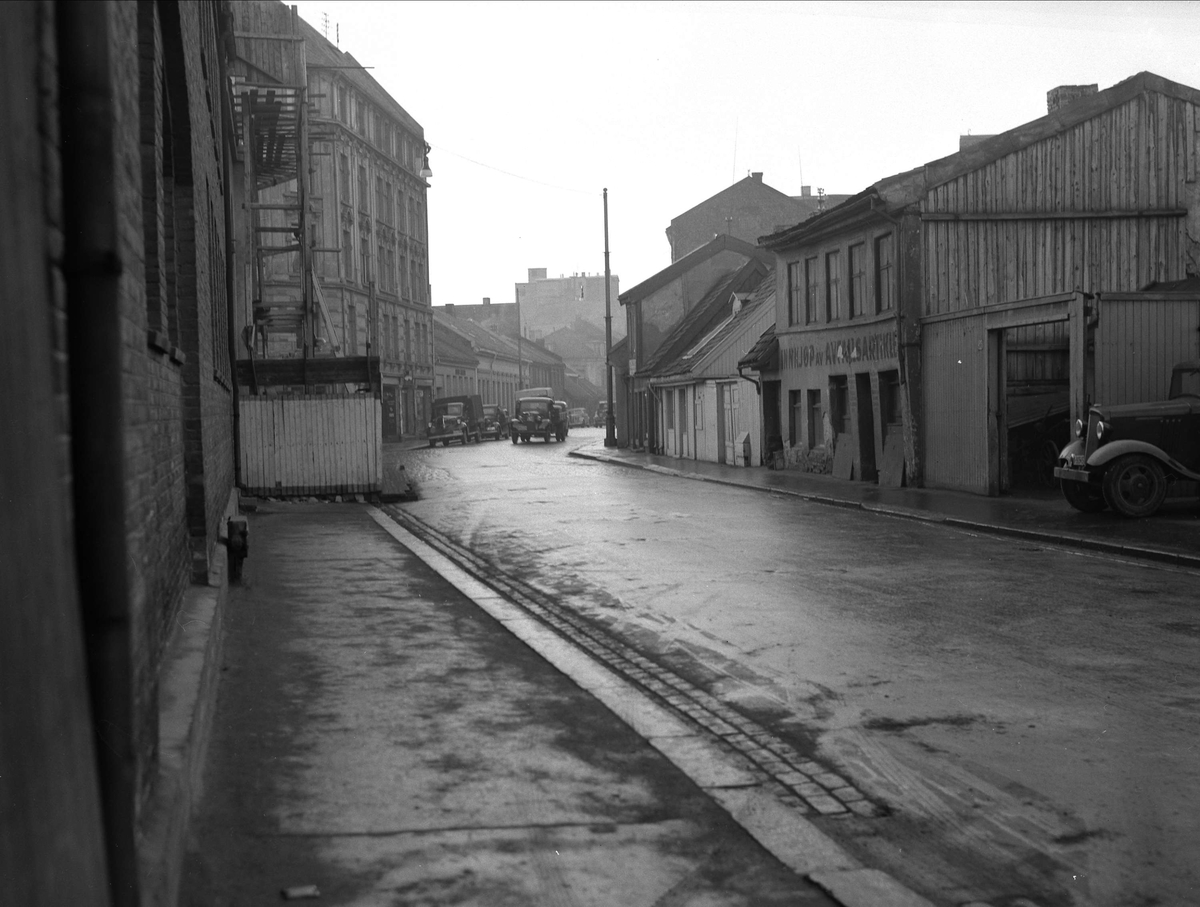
(304, 445)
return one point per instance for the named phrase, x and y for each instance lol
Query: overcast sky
(533, 108)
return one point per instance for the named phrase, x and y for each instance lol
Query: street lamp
(426, 173)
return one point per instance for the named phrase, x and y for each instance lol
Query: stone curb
(788, 836)
(901, 512)
(187, 702)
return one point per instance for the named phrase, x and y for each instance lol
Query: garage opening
(1037, 402)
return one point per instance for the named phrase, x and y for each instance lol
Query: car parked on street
(455, 419)
(577, 417)
(495, 421)
(1133, 456)
(535, 416)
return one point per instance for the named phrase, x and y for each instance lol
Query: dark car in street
(536, 417)
(455, 419)
(1133, 456)
(495, 421)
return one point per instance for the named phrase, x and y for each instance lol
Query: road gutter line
(726, 777)
(908, 513)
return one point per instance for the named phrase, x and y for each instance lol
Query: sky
(534, 108)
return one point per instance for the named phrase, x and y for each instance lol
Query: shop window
(833, 287)
(858, 302)
(839, 404)
(884, 279)
(816, 416)
(811, 283)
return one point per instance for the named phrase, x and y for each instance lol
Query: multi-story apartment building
(368, 242)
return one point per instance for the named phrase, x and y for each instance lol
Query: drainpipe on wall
(93, 270)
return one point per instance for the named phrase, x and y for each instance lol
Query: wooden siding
(1137, 343)
(304, 445)
(955, 388)
(1016, 238)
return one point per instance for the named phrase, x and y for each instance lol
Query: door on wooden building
(728, 414)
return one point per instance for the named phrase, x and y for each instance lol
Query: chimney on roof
(449, 307)
(537, 274)
(805, 191)
(756, 175)
(1067, 94)
(487, 300)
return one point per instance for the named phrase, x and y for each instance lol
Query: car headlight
(1079, 428)
(1101, 430)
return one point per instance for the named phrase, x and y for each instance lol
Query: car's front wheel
(1083, 497)
(1134, 485)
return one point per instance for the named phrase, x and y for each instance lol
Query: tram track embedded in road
(805, 783)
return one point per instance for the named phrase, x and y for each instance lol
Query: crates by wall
(309, 445)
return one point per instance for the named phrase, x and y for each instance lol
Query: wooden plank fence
(307, 445)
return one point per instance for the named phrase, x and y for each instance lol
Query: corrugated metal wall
(322, 444)
(1137, 342)
(1136, 157)
(955, 388)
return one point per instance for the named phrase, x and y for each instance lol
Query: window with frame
(343, 105)
(889, 401)
(347, 256)
(344, 178)
(858, 276)
(885, 288)
(795, 291)
(811, 288)
(362, 187)
(795, 414)
(833, 287)
(402, 211)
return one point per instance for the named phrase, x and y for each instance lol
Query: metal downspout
(93, 272)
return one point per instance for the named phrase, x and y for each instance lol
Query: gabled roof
(732, 329)
(900, 190)
(482, 338)
(452, 348)
(764, 355)
(737, 188)
(722, 243)
(704, 317)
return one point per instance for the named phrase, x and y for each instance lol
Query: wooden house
(945, 326)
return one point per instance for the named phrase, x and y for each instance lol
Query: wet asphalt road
(1029, 714)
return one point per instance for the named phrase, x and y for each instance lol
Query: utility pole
(610, 426)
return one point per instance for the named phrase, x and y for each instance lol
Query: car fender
(1075, 447)
(1109, 452)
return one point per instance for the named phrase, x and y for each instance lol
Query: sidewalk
(1171, 536)
(380, 736)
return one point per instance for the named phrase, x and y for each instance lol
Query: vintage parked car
(1132, 457)
(456, 419)
(577, 417)
(536, 417)
(495, 421)
(601, 420)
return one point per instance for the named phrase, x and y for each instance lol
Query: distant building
(746, 210)
(549, 304)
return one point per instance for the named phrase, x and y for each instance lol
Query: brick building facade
(118, 463)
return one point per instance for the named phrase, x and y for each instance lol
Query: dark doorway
(866, 428)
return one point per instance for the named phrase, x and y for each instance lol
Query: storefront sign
(843, 350)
